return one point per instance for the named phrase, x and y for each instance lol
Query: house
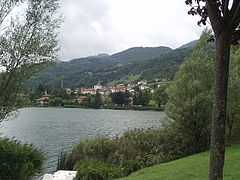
(120, 88)
(131, 88)
(111, 89)
(77, 91)
(43, 100)
(144, 87)
(68, 90)
(80, 99)
(88, 91)
(142, 82)
(101, 91)
(98, 86)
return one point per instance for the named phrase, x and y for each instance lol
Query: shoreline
(134, 108)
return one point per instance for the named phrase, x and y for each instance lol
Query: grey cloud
(78, 36)
(109, 26)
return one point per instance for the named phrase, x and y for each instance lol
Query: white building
(143, 82)
(88, 91)
(68, 90)
(98, 86)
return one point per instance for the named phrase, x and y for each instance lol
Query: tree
(233, 103)
(135, 100)
(97, 100)
(88, 101)
(141, 98)
(56, 101)
(28, 41)
(160, 95)
(190, 97)
(118, 98)
(144, 97)
(224, 17)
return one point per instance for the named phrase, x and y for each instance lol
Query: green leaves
(27, 43)
(19, 161)
(190, 96)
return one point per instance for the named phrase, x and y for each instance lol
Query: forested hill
(141, 52)
(127, 66)
(188, 45)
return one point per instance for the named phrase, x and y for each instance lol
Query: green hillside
(127, 66)
(193, 167)
(141, 52)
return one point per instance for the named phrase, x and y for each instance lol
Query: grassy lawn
(193, 167)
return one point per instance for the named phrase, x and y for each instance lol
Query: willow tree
(233, 105)
(28, 39)
(190, 97)
(224, 16)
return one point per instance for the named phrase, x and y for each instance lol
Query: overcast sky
(109, 26)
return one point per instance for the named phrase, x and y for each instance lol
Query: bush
(89, 169)
(129, 166)
(19, 161)
(152, 146)
(120, 156)
(99, 148)
(190, 97)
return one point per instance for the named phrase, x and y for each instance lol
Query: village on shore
(118, 95)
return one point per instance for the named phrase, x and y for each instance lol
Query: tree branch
(236, 15)
(234, 6)
(6, 9)
(214, 15)
(4, 86)
(225, 9)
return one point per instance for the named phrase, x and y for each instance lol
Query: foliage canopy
(28, 40)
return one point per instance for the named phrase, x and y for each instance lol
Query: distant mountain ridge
(102, 55)
(127, 66)
(141, 52)
(188, 45)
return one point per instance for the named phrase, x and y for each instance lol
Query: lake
(56, 129)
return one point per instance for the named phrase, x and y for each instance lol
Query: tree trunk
(219, 105)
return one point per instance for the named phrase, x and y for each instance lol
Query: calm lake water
(56, 129)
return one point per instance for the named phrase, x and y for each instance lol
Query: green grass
(193, 167)
(152, 103)
(126, 79)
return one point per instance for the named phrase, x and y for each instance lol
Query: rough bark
(219, 105)
(225, 22)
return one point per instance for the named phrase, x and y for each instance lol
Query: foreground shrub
(19, 161)
(89, 169)
(99, 148)
(151, 146)
(108, 158)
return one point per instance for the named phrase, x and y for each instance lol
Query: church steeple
(99, 82)
(61, 86)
